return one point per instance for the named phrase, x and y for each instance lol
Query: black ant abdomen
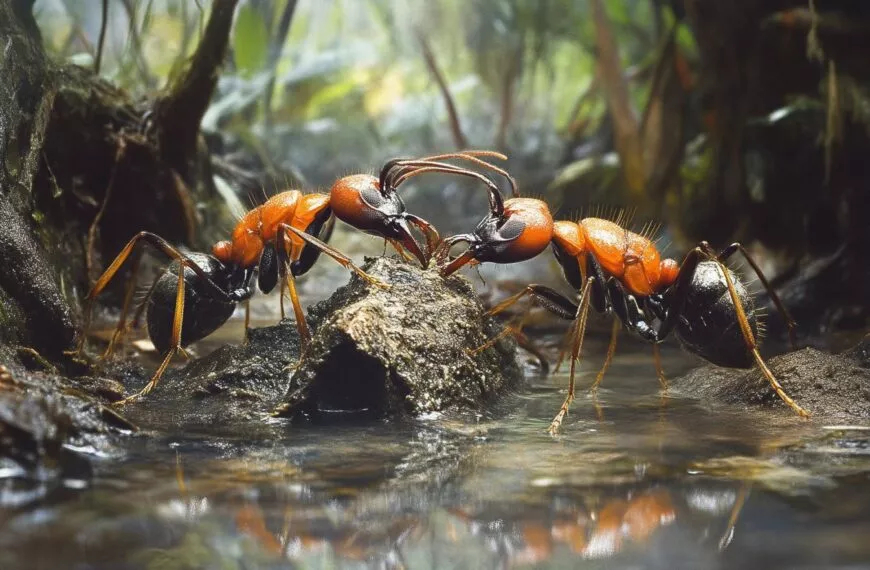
(708, 325)
(204, 312)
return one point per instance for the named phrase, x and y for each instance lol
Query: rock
(832, 387)
(34, 311)
(235, 383)
(401, 351)
(385, 353)
(48, 428)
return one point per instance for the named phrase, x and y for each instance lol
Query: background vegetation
(723, 121)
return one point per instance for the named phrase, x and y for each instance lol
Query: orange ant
(278, 239)
(621, 273)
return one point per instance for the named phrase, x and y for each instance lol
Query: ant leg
(515, 330)
(611, 350)
(602, 300)
(398, 247)
(281, 269)
(510, 301)
(157, 243)
(739, 502)
(530, 347)
(789, 321)
(624, 306)
(681, 290)
(248, 315)
(140, 310)
(660, 372)
(107, 196)
(286, 276)
(175, 346)
(753, 346)
(566, 346)
(684, 278)
(339, 257)
(122, 327)
(582, 315)
(301, 324)
(562, 306)
(550, 299)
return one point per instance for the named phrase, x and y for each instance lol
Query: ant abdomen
(204, 313)
(708, 325)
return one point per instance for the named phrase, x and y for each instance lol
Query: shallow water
(634, 481)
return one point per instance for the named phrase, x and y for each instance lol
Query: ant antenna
(468, 155)
(496, 200)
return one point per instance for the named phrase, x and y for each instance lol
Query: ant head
(373, 205)
(518, 230)
(361, 201)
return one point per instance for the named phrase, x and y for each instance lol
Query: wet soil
(832, 387)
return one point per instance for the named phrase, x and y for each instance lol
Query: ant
(621, 273)
(280, 240)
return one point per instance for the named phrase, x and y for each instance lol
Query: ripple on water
(633, 479)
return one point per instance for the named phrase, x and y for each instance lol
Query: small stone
(402, 351)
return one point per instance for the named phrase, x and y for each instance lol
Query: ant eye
(511, 229)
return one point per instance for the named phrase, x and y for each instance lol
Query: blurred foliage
(344, 86)
(601, 107)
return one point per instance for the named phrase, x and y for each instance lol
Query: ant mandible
(621, 273)
(279, 239)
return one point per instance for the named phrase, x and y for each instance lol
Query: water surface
(635, 480)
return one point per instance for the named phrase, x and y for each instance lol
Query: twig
(92, 230)
(587, 94)
(103, 25)
(455, 127)
(136, 42)
(507, 98)
(180, 112)
(274, 55)
(833, 119)
(615, 87)
(664, 62)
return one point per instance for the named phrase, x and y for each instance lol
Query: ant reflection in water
(377, 527)
(609, 526)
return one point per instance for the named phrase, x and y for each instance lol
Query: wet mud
(832, 387)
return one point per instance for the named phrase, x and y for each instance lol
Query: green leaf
(250, 41)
